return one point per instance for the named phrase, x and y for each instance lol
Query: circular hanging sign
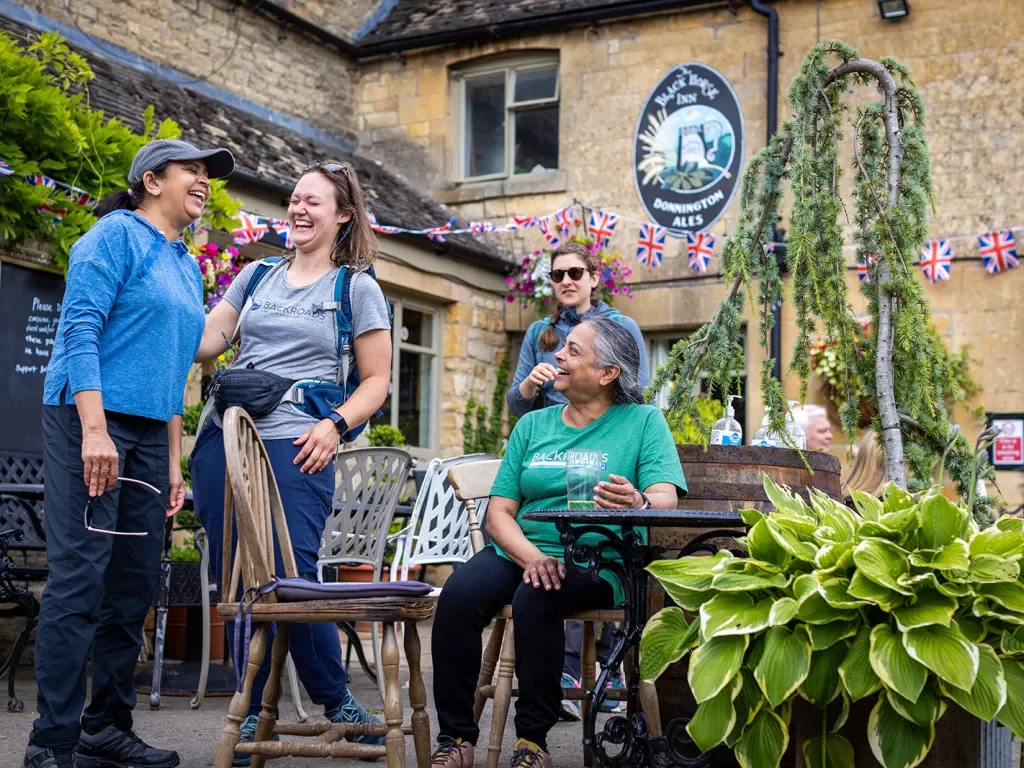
(688, 149)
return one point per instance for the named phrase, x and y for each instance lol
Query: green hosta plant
(904, 599)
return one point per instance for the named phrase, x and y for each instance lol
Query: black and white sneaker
(40, 757)
(113, 748)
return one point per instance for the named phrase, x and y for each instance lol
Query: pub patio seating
(253, 497)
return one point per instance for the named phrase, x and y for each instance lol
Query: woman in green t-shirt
(597, 372)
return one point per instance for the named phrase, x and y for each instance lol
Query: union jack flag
(566, 218)
(5, 169)
(382, 229)
(52, 209)
(998, 250)
(82, 197)
(862, 268)
(521, 222)
(284, 231)
(601, 227)
(251, 229)
(482, 226)
(651, 245)
(550, 231)
(698, 250)
(936, 258)
(435, 233)
(40, 179)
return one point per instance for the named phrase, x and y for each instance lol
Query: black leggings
(471, 598)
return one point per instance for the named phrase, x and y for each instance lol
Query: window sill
(515, 186)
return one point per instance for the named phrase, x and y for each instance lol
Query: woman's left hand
(320, 443)
(175, 491)
(617, 493)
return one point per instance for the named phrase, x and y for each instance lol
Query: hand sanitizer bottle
(796, 432)
(727, 431)
(763, 438)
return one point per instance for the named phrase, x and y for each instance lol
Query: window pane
(417, 328)
(485, 125)
(415, 374)
(536, 84)
(536, 140)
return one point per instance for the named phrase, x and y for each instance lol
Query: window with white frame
(415, 369)
(507, 118)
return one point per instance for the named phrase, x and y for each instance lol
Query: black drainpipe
(772, 15)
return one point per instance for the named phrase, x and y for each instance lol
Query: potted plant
(905, 602)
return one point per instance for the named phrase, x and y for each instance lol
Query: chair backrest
(251, 491)
(439, 526)
(369, 484)
(471, 482)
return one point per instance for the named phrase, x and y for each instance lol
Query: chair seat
(602, 615)
(365, 609)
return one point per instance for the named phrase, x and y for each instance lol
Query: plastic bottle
(795, 430)
(727, 431)
(763, 438)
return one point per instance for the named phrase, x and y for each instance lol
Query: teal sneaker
(352, 711)
(570, 709)
(248, 731)
(616, 683)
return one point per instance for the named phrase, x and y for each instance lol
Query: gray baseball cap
(219, 162)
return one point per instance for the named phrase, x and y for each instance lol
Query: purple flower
(510, 298)
(509, 281)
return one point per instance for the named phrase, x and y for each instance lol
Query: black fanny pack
(256, 392)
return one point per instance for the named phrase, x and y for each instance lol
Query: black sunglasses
(325, 166)
(574, 273)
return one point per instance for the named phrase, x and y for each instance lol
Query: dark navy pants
(100, 587)
(315, 648)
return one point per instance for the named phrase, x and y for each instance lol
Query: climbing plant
(482, 433)
(892, 194)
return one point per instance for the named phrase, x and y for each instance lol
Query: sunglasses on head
(574, 273)
(325, 166)
(88, 511)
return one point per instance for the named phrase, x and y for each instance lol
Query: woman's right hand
(541, 374)
(546, 570)
(99, 455)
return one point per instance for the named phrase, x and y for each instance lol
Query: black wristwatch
(339, 423)
(647, 501)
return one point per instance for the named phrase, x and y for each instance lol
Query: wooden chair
(472, 482)
(253, 501)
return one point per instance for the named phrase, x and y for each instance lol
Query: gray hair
(615, 345)
(805, 414)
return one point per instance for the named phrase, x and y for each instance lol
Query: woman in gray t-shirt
(284, 331)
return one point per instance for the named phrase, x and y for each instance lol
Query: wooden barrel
(729, 478)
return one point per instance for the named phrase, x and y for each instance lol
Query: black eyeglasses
(325, 166)
(574, 273)
(88, 511)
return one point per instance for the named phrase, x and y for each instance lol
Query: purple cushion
(297, 590)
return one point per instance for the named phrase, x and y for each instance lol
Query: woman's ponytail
(126, 199)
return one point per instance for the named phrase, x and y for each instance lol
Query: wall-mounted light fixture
(893, 9)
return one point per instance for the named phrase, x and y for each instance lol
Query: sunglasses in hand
(574, 273)
(88, 510)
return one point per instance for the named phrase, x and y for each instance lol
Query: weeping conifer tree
(892, 195)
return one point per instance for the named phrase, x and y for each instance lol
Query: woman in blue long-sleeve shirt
(130, 325)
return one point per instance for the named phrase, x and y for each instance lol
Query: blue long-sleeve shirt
(531, 354)
(131, 321)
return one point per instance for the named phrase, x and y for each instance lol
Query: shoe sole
(569, 713)
(88, 761)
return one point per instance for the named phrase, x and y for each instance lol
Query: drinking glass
(582, 474)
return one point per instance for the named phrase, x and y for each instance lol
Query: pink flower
(233, 251)
(510, 298)
(509, 281)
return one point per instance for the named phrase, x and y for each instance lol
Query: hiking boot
(352, 711)
(114, 748)
(570, 709)
(530, 755)
(248, 733)
(452, 753)
(40, 757)
(616, 683)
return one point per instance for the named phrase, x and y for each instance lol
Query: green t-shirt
(634, 440)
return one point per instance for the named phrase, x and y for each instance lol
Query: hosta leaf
(747, 582)
(904, 520)
(925, 580)
(835, 592)
(856, 671)
(1012, 713)
(1007, 595)
(946, 652)
(992, 568)
(784, 664)
(822, 683)
(928, 708)
(751, 517)
(895, 498)
(869, 507)
(665, 639)
(928, 607)
(764, 741)
(714, 664)
(715, 718)
(838, 554)
(995, 541)
(804, 585)
(803, 527)
(984, 608)
(864, 588)
(814, 610)
(883, 562)
(1007, 523)
(988, 695)
(973, 628)
(826, 635)
(762, 545)
(955, 555)
(838, 752)
(785, 500)
(844, 711)
(1012, 644)
(693, 573)
(687, 599)
(747, 704)
(891, 662)
(791, 542)
(895, 741)
(940, 522)
(733, 613)
(871, 529)
(783, 611)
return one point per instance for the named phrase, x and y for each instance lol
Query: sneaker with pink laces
(452, 753)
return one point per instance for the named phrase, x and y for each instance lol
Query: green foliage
(685, 430)
(190, 421)
(384, 435)
(907, 598)
(186, 517)
(186, 475)
(47, 126)
(480, 433)
(805, 151)
(187, 553)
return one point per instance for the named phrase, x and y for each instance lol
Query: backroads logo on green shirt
(557, 459)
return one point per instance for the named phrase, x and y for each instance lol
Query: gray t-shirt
(282, 332)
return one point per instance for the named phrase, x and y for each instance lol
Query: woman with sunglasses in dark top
(286, 330)
(575, 277)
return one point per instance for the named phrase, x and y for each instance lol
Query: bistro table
(627, 556)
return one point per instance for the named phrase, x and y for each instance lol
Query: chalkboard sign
(30, 301)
